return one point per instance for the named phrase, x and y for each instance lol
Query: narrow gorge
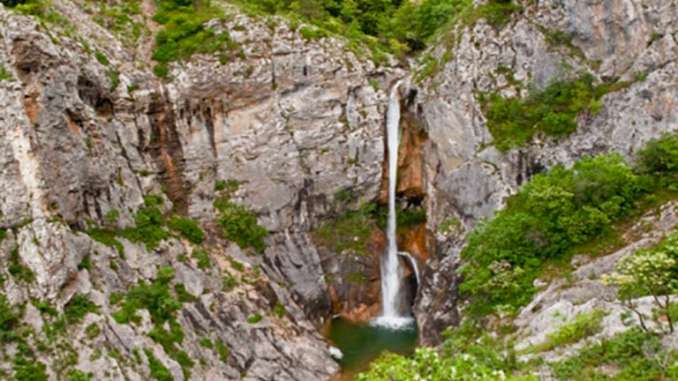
(370, 190)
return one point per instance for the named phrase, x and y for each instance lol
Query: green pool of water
(362, 343)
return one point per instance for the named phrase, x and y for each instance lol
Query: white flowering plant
(652, 272)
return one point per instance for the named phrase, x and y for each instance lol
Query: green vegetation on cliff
(466, 355)
(513, 121)
(162, 305)
(635, 355)
(394, 26)
(185, 33)
(551, 214)
(238, 223)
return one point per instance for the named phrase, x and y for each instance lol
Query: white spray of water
(390, 269)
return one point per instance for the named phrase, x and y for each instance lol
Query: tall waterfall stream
(391, 271)
(394, 330)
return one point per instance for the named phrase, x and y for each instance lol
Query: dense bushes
(635, 355)
(149, 224)
(150, 227)
(514, 121)
(386, 25)
(188, 228)
(465, 355)
(9, 321)
(552, 213)
(239, 224)
(496, 12)
(184, 32)
(659, 159)
(162, 305)
(650, 272)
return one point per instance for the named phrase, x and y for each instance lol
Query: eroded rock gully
(297, 124)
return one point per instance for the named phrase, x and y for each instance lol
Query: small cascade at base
(414, 265)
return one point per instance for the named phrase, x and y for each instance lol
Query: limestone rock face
(467, 177)
(561, 300)
(291, 121)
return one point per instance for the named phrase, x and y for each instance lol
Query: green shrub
(513, 121)
(659, 159)
(114, 78)
(652, 272)
(78, 375)
(496, 12)
(239, 224)
(45, 308)
(92, 331)
(101, 57)
(382, 26)
(155, 297)
(17, 269)
(184, 33)
(149, 224)
(205, 342)
(78, 307)
(238, 266)
(106, 237)
(158, 370)
(185, 362)
(633, 354)
(188, 228)
(183, 295)
(254, 319)
(350, 231)
(29, 369)
(12, 3)
(202, 257)
(479, 363)
(223, 350)
(550, 215)
(85, 264)
(5, 75)
(312, 33)
(9, 321)
(583, 326)
(229, 282)
(119, 17)
(279, 310)
(162, 306)
(167, 337)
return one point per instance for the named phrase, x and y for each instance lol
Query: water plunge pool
(362, 343)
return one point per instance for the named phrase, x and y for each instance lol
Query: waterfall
(413, 263)
(390, 270)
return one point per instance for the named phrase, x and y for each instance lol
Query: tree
(649, 272)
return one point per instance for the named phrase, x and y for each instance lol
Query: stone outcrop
(87, 131)
(467, 177)
(291, 121)
(561, 300)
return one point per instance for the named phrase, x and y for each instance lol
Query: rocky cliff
(467, 177)
(88, 131)
(98, 155)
